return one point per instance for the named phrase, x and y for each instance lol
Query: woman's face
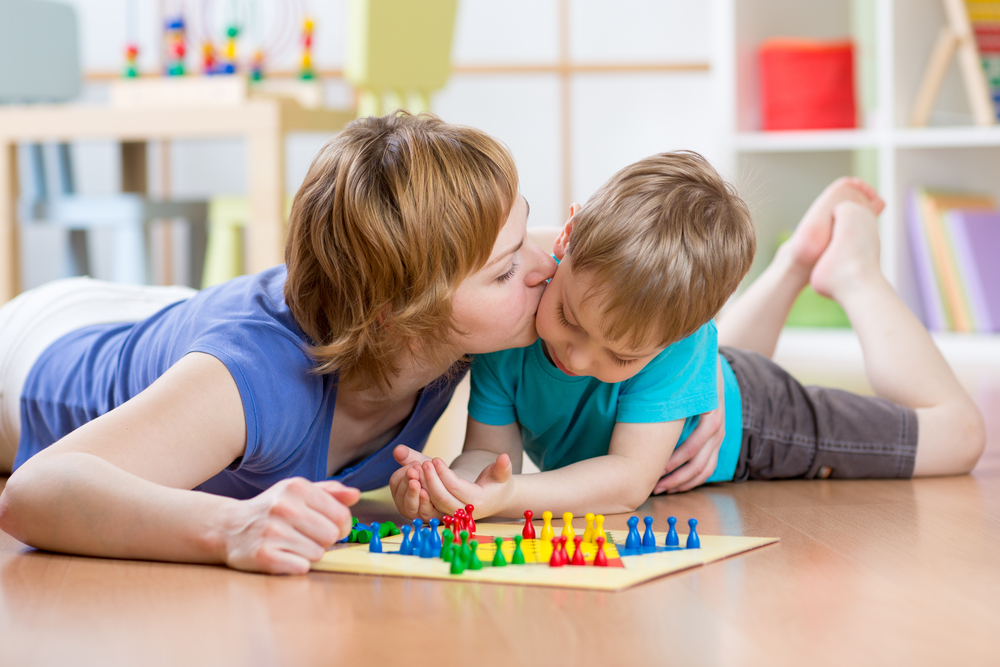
(494, 308)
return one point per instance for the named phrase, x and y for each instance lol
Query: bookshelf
(779, 173)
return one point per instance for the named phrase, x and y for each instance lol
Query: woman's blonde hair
(394, 213)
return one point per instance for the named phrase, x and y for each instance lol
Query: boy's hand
(695, 460)
(490, 493)
(406, 485)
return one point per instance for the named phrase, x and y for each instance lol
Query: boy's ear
(561, 246)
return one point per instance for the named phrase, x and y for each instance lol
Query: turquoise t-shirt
(566, 419)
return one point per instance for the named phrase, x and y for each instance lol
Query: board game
(626, 566)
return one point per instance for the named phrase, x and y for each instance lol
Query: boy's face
(570, 328)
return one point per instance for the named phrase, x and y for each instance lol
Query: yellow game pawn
(588, 534)
(567, 530)
(599, 531)
(547, 533)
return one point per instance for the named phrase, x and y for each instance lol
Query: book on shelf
(952, 235)
(975, 238)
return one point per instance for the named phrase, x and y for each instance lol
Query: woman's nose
(542, 267)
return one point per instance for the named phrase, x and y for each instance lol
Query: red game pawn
(469, 509)
(563, 553)
(578, 553)
(556, 559)
(529, 529)
(601, 559)
(460, 519)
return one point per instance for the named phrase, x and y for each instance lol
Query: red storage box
(807, 84)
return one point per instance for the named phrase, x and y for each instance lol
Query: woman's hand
(289, 526)
(490, 493)
(695, 460)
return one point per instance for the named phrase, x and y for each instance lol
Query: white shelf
(849, 140)
(947, 137)
(803, 141)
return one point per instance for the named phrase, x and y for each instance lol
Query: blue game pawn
(427, 549)
(633, 541)
(435, 537)
(672, 539)
(693, 541)
(417, 525)
(648, 539)
(375, 546)
(405, 548)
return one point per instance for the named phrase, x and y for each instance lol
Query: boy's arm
(484, 443)
(618, 482)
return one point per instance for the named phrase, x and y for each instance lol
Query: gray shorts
(792, 431)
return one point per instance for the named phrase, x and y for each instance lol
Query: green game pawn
(364, 536)
(498, 559)
(457, 562)
(388, 528)
(518, 557)
(446, 551)
(465, 538)
(474, 562)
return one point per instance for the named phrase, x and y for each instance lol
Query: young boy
(627, 358)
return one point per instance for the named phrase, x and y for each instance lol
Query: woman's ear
(561, 246)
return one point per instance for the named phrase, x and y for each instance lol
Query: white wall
(616, 118)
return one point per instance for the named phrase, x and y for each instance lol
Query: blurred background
(575, 89)
(159, 140)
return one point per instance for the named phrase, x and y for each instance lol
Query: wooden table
(867, 572)
(262, 122)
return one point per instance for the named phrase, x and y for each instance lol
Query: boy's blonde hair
(394, 213)
(667, 241)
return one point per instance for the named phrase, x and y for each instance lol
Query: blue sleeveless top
(247, 326)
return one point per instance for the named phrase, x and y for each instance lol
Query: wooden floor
(867, 572)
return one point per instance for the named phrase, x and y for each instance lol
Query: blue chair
(39, 63)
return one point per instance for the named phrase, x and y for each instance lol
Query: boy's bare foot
(851, 259)
(812, 235)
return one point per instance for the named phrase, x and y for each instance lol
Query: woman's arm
(119, 485)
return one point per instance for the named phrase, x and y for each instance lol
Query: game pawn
(474, 562)
(567, 530)
(375, 546)
(588, 534)
(405, 548)
(435, 537)
(578, 551)
(427, 549)
(648, 538)
(528, 532)
(547, 533)
(563, 553)
(672, 539)
(693, 541)
(633, 541)
(518, 557)
(555, 560)
(446, 550)
(600, 558)
(498, 559)
(599, 528)
(469, 509)
(418, 525)
(460, 524)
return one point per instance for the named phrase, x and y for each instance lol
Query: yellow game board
(356, 558)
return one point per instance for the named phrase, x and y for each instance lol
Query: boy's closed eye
(621, 361)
